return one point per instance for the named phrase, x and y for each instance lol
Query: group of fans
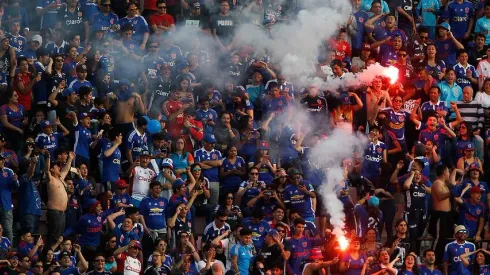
(124, 124)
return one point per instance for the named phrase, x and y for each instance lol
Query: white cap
(37, 38)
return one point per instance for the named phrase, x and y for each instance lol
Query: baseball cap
(13, 255)
(373, 201)
(476, 189)
(124, 82)
(45, 124)
(168, 163)
(293, 172)
(444, 25)
(273, 233)
(145, 153)
(37, 38)
(469, 147)
(93, 204)
(68, 91)
(163, 118)
(345, 99)
(316, 253)
(183, 65)
(81, 68)
(177, 184)
(196, 5)
(136, 244)
(474, 166)
(64, 254)
(263, 145)
(83, 115)
(209, 138)
(366, 47)
(120, 183)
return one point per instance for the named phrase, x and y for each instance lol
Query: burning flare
(343, 242)
(392, 73)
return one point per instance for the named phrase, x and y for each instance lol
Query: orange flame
(392, 73)
(343, 242)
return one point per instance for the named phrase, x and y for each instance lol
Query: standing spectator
(460, 15)
(12, 119)
(472, 211)
(73, 19)
(153, 209)
(223, 27)
(210, 161)
(447, 45)
(30, 208)
(162, 23)
(89, 229)
(23, 84)
(243, 253)
(141, 32)
(299, 195)
(111, 160)
(140, 178)
(9, 183)
(452, 261)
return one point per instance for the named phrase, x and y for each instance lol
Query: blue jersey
(446, 51)
(361, 18)
(461, 78)
(297, 200)
(251, 193)
(428, 18)
(49, 142)
(310, 229)
(76, 84)
(435, 70)
(451, 255)
(70, 271)
(204, 117)
(373, 157)
(201, 155)
(300, 252)
(124, 199)
(48, 20)
(459, 16)
(275, 105)
(259, 230)
(469, 216)
(111, 164)
(18, 42)
(211, 232)
(388, 55)
(5, 243)
(123, 238)
(140, 27)
(151, 65)
(483, 26)
(232, 182)
(83, 139)
(136, 142)
(7, 185)
(457, 190)
(101, 22)
(450, 92)
(423, 270)
(355, 265)
(438, 137)
(153, 210)
(89, 8)
(380, 33)
(89, 227)
(429, 107)
(29, 196)
(484, 269)
(245, 257)
(397, 121)
(364, 221)
(39, 89)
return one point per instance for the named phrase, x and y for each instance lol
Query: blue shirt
(100, 21)
(13, 117)
(153, 210)
(204, 117)
(459, 16)
(232, 182)
(19, 43)
(450, 93)
(355, 266)
(49, 142)
(70, 271)
(461, 78)
(5, 243)
(136, 142)
(7, 185)
(364, 221)
(48, 19)
(89, 227)
(446, 51)
(76, 84)
(123, 238)
(29, 197)
(83, 139)
(361, 18)
(373, 157)
(140, 27)
(300, 252)
(397, 121)
(259, 230)
(451, 255)
(201, 155)
(111, 164)
(428, 18)
(245, 257)
(469, 216)
(211, 231)
(39, 89)
(423, 270)
(296, 199)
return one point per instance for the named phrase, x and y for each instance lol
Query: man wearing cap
(196, 21)
(34, 44)
(180, 195)
(140, 177)
(13, 263)
(273, 250)
(358, 63)
(161, 22)
(89, 229)
(472, 211)
(452, 262)
(367, 215)
(129, 258)
(210, 160)
(299, 195)
(136, 141)
(47, 141)
(65, 262)
(447, 45)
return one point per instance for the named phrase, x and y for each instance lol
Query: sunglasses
(463, 231)
(281, 231)
(296, 177)
(196, 169)
(253, 174)
(403, 55)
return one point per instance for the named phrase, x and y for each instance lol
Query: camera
(268, 193)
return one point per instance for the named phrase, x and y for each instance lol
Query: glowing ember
(392, 73)
(343, 242)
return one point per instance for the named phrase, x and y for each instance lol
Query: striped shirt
(471, 112)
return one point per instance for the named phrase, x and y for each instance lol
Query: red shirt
(342, 49)
(165, 20)
(24, 99)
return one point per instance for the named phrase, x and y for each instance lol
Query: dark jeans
(388, 208)
(206, 211)
(7, 221)
(29, 222)
(56, 225)
(441, 228)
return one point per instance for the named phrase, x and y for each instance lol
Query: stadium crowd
(148, 138)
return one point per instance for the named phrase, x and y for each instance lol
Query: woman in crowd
(434, 67)
(264, 162)
(232, 171)
(224, 133)
(351, 262)
(181, 159)
(12, 118)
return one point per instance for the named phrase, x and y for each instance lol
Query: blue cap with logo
(209, 138)
(68, 92)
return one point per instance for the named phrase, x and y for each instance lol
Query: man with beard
(316, 106)
(429, 267)
(452, 262)
(400, 245)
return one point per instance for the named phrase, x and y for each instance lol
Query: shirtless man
(441, 216)
(376, 99)
(57, 198)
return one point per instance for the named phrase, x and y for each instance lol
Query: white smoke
(329, 154)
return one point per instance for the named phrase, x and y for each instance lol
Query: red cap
(366, 47)
(316, 253)
(120, 183)
(476, 189)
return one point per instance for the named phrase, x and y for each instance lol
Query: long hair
(475, 267)
(415, 269)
